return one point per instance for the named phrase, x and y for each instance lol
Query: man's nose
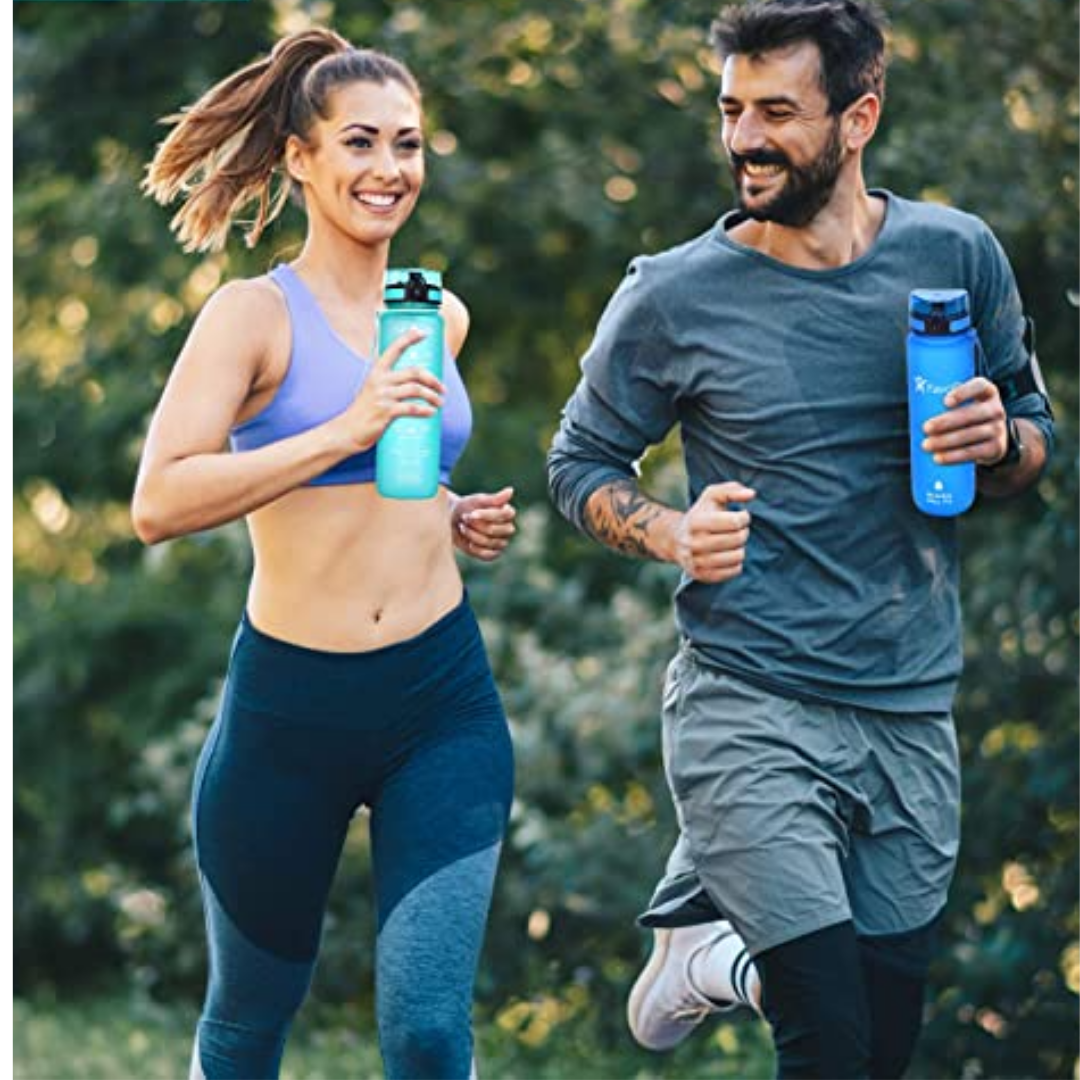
(746, 133)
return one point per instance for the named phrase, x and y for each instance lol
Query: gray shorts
(796, 815)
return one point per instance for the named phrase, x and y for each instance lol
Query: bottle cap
(413, 286)
(939, 311)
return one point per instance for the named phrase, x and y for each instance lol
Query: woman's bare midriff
(341, 569)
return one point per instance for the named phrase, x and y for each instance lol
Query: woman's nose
(386, 164)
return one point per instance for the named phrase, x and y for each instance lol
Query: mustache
(757, 157)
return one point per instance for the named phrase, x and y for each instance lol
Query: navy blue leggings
(417, 733)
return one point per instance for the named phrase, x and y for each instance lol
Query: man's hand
(482, 524)
(710, 540)
(973, 427)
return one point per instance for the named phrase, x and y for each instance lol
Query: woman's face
(363, 166)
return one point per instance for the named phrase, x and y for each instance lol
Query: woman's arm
(188, 481)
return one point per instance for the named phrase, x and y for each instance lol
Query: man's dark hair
(849, 34)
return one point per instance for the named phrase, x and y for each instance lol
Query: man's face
(783, 145)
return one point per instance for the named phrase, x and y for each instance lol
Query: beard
(803, 191)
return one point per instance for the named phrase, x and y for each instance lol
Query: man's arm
(1009, 391)
(624, 518)
(1001, 481)
(625, 402)
(708, 541)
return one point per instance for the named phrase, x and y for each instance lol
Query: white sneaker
(664, 1005)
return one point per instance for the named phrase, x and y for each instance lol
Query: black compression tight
(844, 1006)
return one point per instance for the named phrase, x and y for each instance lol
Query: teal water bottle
(940, 355)
(407, 455)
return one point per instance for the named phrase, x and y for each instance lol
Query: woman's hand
(388, 394)
(482, 524)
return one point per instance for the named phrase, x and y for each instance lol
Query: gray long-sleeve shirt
(793, 382)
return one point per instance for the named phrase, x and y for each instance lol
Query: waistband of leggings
(447, 627)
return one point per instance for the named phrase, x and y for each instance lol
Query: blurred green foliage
(565, 136)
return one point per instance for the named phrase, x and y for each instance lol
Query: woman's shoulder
(257, 299)
(246, 319)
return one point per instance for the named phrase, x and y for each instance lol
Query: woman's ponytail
(224, 150)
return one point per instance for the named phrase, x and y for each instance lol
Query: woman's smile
(382, 203)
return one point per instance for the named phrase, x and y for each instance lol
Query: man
(808, 740)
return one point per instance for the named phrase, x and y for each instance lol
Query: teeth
(762, 170)
(377, 200)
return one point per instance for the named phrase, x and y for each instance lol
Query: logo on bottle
(924, 386)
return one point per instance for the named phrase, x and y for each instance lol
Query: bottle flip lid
(939, 311)
(412, 286)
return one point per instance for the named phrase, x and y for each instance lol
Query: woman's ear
(296, 159)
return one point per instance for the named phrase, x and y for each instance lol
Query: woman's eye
(411, 145)
(358, 142)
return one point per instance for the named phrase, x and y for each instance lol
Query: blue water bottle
(940, 355)
(407, 455)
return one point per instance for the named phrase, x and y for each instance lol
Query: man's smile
(761, 171)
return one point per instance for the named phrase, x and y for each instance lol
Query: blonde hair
(225, 150)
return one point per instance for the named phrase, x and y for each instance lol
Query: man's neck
(841, 232)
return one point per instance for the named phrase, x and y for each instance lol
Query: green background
(565, 137)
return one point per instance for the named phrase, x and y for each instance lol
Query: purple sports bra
(323, 378)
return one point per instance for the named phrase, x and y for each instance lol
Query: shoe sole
(645, 982)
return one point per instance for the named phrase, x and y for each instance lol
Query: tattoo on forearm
(621, 517)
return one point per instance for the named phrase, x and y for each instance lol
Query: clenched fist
(710, 539)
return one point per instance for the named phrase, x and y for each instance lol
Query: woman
(358, 676)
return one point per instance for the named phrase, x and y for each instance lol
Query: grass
(128, 1038)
